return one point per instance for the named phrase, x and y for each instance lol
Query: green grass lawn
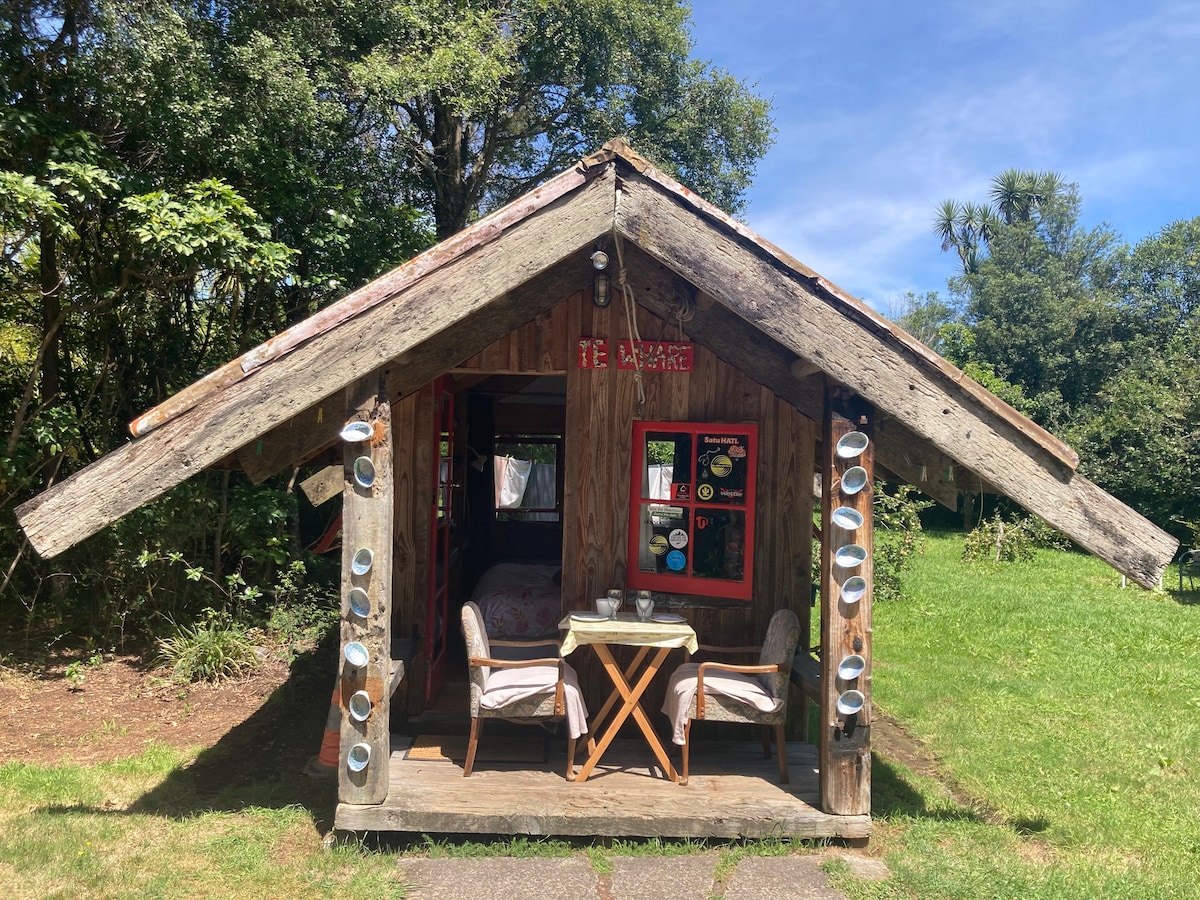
(1065, 707)
(73, 831)
(1062, 708)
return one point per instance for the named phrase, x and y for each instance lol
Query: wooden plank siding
(539, 346)
(601, 407)
(408, 567)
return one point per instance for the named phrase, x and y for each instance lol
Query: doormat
(453, 747)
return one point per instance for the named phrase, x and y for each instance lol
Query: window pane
(720, 544)
(721, 467)
(666, 466)
(663, 545)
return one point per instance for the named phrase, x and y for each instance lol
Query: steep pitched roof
(757, 308)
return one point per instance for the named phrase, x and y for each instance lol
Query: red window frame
(692, 513)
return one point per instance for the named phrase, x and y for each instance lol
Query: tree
(924, 317)
(147, 202)
(1015, 196)
(1159, 282)
(1138, 438)
(1092, 339)
(179, 180)
(1040, 304)
(489, 99)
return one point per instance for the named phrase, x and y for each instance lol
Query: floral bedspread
(520, 600)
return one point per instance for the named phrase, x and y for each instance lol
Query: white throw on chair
(722, 692)
(522, 690)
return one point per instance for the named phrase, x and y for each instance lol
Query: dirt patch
(890, 740)
(122, 706)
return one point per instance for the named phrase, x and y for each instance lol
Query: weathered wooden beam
(845, 737)
(945, 409)
(917, 462)
(803, 368)
(323, 486)
(396, 328)
(303, 436)
(739, 344)
(367, 514)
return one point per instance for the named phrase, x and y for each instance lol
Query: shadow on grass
(259, 763)
(892, 796)
(1185, 597)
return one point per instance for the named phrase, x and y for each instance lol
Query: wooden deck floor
(733, 792)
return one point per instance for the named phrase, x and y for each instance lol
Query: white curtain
(511, 477)
(660, 482)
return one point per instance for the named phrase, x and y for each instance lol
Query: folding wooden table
(628, 685)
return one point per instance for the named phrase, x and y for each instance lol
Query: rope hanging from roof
(683, 308)
(635, 335)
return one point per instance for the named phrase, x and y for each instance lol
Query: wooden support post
(845, 744)
(367, 512)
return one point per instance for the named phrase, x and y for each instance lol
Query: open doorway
(509, 436)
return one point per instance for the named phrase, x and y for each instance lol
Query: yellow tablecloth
(626, 629)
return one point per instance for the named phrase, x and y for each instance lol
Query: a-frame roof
(757, 308)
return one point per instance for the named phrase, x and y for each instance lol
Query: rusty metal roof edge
(364, 298)
(850, 304)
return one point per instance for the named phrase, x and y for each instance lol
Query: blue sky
(886, 108)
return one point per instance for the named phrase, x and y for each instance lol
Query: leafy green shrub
(303, 611)
(212, 650)
(1192, 537)
(1044, 536)
(898, 536)
(1000, 541)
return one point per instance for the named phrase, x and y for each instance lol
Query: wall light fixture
(600, 295)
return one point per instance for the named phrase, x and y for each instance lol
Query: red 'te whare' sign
(649, 356)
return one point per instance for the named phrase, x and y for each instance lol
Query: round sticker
(705, 492)
(721, 465)
(658, 545)
(677, 538)
(676, 560)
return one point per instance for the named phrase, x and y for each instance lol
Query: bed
(520, 600)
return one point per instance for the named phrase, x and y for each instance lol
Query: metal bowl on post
(854, 480)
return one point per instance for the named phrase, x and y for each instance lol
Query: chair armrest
(556, 661)
(513, 663)
(748, 670)
(727, 667)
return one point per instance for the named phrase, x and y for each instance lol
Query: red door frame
(437, 625)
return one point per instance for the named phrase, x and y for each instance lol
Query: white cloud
(883, 115)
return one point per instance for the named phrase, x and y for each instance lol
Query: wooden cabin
(526, 409)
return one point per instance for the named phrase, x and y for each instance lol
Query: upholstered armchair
(521, 690)
(724, 692)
